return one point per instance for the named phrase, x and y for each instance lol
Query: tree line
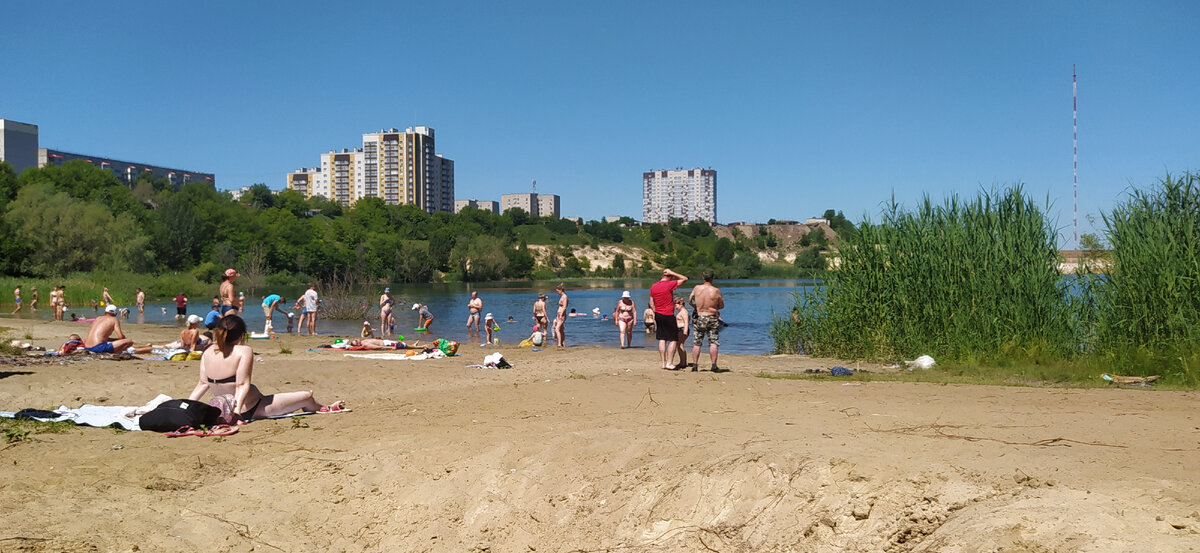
(77, 217)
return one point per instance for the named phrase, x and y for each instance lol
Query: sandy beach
(595, 449)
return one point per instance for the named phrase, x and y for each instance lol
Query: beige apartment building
(537, 205)
(397, 167)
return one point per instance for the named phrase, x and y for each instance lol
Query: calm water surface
(749, 305)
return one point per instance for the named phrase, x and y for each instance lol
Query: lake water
(749, 305)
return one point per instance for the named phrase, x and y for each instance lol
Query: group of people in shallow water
(226, 365)
(667, 317)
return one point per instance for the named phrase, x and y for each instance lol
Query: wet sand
(594, 449)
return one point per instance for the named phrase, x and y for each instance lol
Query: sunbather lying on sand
(376, 343)
(226, 370)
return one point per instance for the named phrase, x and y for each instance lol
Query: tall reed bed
(1149, 301)
(970, 280)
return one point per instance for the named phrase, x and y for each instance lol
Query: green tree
(65, 234)
(259, 196)
(723, 250)
(481, 258)
(440, 245)
(618, 265)
(517, 215)
(746, 265)
(810, 259)
(520, 262)
(11, 249)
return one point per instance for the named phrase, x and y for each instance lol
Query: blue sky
(798, 106)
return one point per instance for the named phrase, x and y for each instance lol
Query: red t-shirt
(662, 296)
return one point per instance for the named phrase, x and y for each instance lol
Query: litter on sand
(1130, 380)
(922, 362)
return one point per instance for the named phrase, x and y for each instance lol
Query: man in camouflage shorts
(708, 302)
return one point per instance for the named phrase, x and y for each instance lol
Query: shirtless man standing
(33, 302)
(17, 299)
(560, 319)
(708, 301)
(141, 301)
(108, 300)
(539, 312)
(474, 307)
(228, 297)
(100, 335)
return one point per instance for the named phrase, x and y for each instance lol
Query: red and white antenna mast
(1075, 152)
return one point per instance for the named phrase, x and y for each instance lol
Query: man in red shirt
(662, 299)
(180, 306)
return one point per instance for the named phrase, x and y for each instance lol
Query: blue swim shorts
(104, 347)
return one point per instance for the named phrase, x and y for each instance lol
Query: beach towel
(435, 354)
(88, 415)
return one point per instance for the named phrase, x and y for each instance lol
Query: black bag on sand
(174, 414)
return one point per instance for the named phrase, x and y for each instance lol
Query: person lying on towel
(226, 369)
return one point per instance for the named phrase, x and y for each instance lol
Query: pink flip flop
(335, 407)
(181, 431)
(218, 430)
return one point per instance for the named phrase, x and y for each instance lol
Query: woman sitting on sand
(226, 370)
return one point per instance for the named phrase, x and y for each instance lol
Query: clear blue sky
(799, 107)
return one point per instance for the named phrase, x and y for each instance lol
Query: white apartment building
(687, 194)
(397, 167)
(537, 205)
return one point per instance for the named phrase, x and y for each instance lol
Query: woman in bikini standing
(226, 369)
(386, 322)
(625, 317)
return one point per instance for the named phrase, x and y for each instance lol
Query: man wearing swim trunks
(17, 299)
(539, 312)
(141, 301)
(666, 330)
(473, 308)
(310, 310)
(227, 295)
(100, 336)
(33, 302)
(708, 302)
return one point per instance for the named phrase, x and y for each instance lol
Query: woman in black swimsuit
(226, 370)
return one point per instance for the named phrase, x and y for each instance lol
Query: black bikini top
(227, 380)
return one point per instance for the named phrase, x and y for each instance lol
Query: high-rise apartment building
(397, 167)
(690, 195)
(537, 205)
(18, 144)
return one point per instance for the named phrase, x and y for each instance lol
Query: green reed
(1148, 316)
(967, 280)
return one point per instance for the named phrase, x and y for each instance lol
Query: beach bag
(448, 347)
(174, 414)
(225, 403)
